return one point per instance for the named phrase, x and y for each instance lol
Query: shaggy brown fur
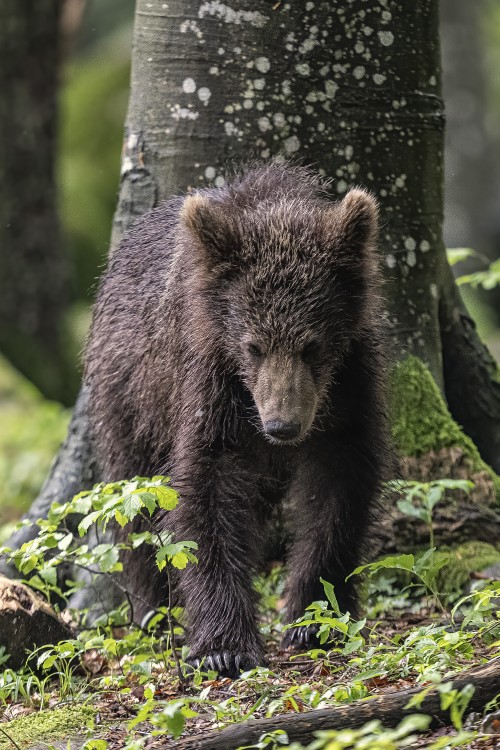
(236, 347)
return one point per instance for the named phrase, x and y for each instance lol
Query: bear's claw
(225, 663)
(301, 637)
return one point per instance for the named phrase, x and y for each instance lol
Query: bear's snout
(286, 398)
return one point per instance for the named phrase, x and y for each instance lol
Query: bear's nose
(281, 430)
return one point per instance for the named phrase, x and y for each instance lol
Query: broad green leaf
(65, 542)
(180, 560)
(106, 556)
(49, 575)
(458, 254)
(166, 497)
(87, 522)
(131, 505)
(149, 500)
(330, 595)
(397, 562)
(120, 518)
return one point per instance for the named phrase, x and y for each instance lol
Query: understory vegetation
(428, 615)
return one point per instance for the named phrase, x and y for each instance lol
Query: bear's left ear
(356, 220)
(210, 223)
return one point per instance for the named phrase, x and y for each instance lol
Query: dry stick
(390, 708)
(11, 739)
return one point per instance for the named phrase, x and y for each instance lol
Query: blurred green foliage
(31, 429)
(93, 106)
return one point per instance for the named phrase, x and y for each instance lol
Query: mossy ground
(421, 421)
(45, 726)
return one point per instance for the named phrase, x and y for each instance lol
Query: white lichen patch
(386, 38)
(286, 88)
(126, 165)
(189, 85)
(264, 124)
(210, 173)
(359, 72)
(434, 291)
(191, 25)
(424, 246)
(204, 95)
(410, 243)
(411, 258)
(132, 141)
(390, 261)
(229, 15)
(331, 89)
(379, 79)
(262, 64)
(219, 181)
(303, 69)
(183, 113)
(291, 144)
(279, 120)
(259, 83)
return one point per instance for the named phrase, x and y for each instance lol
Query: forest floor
(121, 689)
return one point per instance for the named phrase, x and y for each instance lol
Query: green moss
(46, 726)
(467, 558)
(420, 418)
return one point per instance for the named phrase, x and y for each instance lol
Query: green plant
(420, 498)
(488, 279)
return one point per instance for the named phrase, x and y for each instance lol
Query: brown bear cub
(236, 346)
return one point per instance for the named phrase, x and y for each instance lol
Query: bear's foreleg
(333, 492)
(217, 510)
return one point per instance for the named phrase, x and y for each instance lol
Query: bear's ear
(356, 220)
(210, 223)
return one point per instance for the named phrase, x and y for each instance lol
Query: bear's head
(292, 282)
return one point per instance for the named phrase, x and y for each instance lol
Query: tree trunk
(33, 267)
(211, 85)
(353, 88)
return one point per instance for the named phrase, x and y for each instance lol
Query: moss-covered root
(422, 424)
(46, 726)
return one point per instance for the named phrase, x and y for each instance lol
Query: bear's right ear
(209, 223)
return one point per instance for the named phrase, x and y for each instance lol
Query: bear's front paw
(301, 638)
(225, 663)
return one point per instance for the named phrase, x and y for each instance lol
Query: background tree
(34, 274)
(356, 90)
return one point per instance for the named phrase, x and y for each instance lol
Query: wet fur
(270, 260)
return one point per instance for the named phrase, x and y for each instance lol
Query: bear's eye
(254, 350)
(310, 352)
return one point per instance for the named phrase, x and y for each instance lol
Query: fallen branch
(389, 708)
